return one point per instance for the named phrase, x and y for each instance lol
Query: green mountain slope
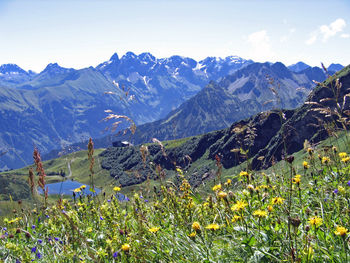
(263, 136)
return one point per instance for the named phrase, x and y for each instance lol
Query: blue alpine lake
(67, 187)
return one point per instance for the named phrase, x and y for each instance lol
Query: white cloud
(345, 35)
(260, 46)
(331, 30)
(327, 31)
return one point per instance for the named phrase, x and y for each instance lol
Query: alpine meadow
(217, 131)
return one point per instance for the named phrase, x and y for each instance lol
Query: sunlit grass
(292, 213)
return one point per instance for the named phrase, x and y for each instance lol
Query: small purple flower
(33, 249)
(61, 242)
(38, 255)
(56, 238)
(146, 201)
(336, 191)
(109, 200)
(17, 261)
(127, 199)
(40, 241)
(349, 183)
(5, 228)
(33, 226)
(115, 254)
(141, 196)
(47, 216)
(39, 219)
(101, 218)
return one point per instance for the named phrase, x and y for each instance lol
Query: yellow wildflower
(77, 190)
(228, 182)
(260, 213)
(270, 208)
(153, 229)
(217, 187)
(345, 159)
(243, 173)
(263, 186)
(212, 227)
(310, 150)
(222, 194)
(343, 155)
(341, 231)
(192, 235)
(306, 165)
(240, 205)
(277, 200)
(315, 221)
(296, 179)
(126, 247)
(116, 189)
(325, 160)
(83, 186)
(196, 226)
(235, 218)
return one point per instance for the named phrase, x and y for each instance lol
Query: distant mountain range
(300, 66)
(255, 88)
(60, 106)
(269, 136)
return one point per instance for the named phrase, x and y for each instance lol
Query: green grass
(262, 216)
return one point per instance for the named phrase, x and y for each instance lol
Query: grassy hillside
(295, 211)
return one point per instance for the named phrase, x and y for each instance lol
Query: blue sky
(81, 33)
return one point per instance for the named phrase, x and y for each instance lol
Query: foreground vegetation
(295, 213)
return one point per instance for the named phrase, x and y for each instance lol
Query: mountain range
(255, 88)
(269, 136)
(60, 106)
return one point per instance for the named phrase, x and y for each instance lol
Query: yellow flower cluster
(125, 247)
(239, 205)
(341, 231)
(196, 226)
(116, 189)
(236, 218)
(243, 173)
(212, 227)
(296, 179)
(315, 221)
(325, 160)
(79, 189)
(343, 155)
(153, 229)
(222, 194)
(260, 213)
(217, 187)
(277, 200)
